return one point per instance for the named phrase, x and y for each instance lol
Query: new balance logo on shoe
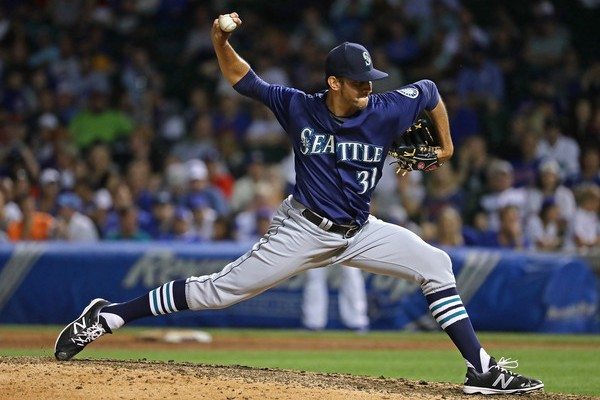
(502, 381)
(499, 380)
(78, 326)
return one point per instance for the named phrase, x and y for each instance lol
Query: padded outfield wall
(50, 283)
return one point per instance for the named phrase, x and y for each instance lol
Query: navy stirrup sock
(165, 299)
(448, 310)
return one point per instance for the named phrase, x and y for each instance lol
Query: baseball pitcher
(340, 139)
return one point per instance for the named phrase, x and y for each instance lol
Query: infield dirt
(24, 378)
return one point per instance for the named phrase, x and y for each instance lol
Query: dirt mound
(43, 378)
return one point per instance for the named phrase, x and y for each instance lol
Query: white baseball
(226, 23)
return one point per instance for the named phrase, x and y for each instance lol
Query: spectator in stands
(66, 159)
(128, 226)
(563, 149)
(161, 215)
(402, 48)
(510, 233)
(199, 143)
(197, 43)
(464, 120)
(501, 192)
(443, 189)
(549, 187)
(526, 164)
(313, 29)
(72, 225)
(473, 160)
(18, 157)
(198, 184)
(481, 80)
(182, 229)
(265, 135)
(141, 80)
(247, 222)
(100, 168)
(545, 232)
(203, 217)
(50, 189)
(222, 229)
(101, 212)
(585, 232)
(245, 188)
(17, 97)
(10, 209)
(549, 40)
(590, 169)
(449, 228)
(99, 122)
(395, 77)
(34, 225)
(138, 179)
(231, 117)
(218, 175)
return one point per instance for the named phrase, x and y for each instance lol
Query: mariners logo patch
(409, 92)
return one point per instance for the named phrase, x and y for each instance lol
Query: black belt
(346, 231)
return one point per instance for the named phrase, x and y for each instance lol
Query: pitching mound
(43, 378)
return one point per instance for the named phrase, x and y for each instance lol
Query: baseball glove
(414, 149)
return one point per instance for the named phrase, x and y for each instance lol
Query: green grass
(566, 363)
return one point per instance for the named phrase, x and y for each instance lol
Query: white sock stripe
(433, 306)
(453, 320)
(171, 298)
(441, 318)
(151, 300)
(158, 304)
(446, 306)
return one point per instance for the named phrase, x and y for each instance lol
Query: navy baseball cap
(352, 61)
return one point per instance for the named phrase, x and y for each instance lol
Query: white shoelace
(504, 363)
(89, 334)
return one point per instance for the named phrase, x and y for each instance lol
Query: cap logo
(367, 58)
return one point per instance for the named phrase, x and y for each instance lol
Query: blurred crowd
(115, 123)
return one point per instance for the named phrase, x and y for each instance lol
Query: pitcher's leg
(315, 299)
(353, 299)
(285, 250)
(388, 249)
(392, 250)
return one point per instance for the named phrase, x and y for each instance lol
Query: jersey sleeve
(276, 97)
(430, 93)
(410, 100)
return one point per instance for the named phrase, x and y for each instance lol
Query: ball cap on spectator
(551, 166)
(103, 199)
(196, 170)
(49, 175)
(70, 200)
(352, 61)
(500, 167)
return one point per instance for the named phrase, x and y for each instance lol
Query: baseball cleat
(499, 380)
(81, 332)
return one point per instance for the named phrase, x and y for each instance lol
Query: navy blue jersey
(338, 163)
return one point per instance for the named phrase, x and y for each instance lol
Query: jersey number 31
(366, 179)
